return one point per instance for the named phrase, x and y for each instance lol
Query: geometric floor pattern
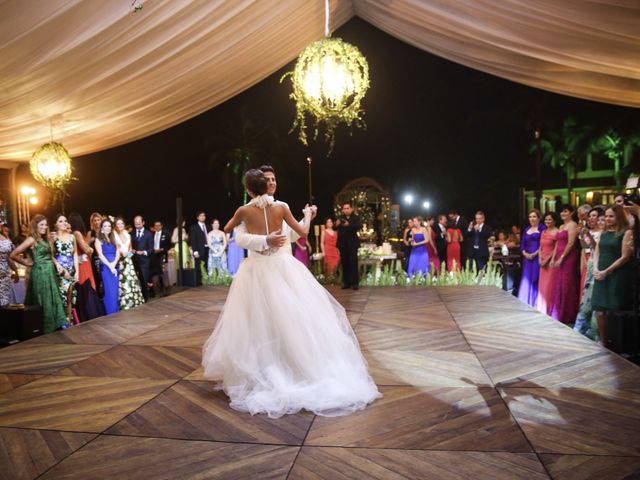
(475, 385)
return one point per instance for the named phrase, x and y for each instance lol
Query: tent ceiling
(99, 75)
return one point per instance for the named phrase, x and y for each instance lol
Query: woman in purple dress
(301, 252)
(419, 259)
(530, 249)
(566, 279)
(235, 254)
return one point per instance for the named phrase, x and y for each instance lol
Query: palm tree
(564, 148)
(618, 148)
(243, 143)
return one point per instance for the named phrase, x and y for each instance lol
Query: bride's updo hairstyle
(255, 182)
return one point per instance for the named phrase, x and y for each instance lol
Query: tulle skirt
(283, 344)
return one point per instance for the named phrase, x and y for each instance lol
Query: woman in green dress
(612, 271)
(42, 288)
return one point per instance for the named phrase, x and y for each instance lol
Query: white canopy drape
(97, 75)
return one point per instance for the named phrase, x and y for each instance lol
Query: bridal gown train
(283, 343)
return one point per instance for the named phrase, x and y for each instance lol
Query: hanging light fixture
(51, 165)
(330, 80)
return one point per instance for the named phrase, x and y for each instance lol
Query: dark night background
(449, 134)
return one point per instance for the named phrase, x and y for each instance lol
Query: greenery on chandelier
(330, 80)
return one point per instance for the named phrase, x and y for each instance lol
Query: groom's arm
(249, 241)
(257, 243)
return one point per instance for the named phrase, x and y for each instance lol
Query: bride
(282, 342)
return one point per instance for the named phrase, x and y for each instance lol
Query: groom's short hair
(267, 168)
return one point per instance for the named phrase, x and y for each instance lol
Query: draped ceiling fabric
(97, 75)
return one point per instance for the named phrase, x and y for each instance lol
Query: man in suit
(478, 234)
(348, 225)
(199, 245)
(142, 244)
(161, 245)
(441, 239)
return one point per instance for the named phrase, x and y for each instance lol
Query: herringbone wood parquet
(476, 385)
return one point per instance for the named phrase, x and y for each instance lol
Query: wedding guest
(186, 250)
(301, 251)
(431, 246)
(5, 230)
(142, 244)
(8, 271)
(612, 270)
(95, 220)
(546, 254)
(619, 200)
(161, 247)
(501, 240)
(129, 290)
(583, 214)
(217, 243)
(42, 288)
(514, 238)
(441, 240)
(66, 255)
(23, 235)
(462, 224)
(235, 254)
(566, 278)
(590, 235)
(109, 255)
(348, 225)
(198, 238)
(454, 247)
(329, 247)
(419, 260)
(406, 243)
(530, 249)
(479, 233)
(88, 303)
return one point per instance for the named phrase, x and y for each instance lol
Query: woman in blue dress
(530, 248)
(217, 248)
(419, 259)
(235, 254)
(109, 255)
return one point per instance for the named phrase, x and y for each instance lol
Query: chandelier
(330, 80)
(51, 165)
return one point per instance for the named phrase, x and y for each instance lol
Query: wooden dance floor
(476, 385)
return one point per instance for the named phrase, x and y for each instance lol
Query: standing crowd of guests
(76, 274)
(445, 245)
(576, 266)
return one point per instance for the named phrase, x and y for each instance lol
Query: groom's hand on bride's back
(276, 239)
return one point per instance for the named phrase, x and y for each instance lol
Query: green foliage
(321, 106)
(216, 277)
(392, 274)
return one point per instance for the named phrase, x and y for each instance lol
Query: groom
(280, 238)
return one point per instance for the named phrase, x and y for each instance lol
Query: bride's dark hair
(255, 181)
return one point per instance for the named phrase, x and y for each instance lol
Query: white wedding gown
(283, 344)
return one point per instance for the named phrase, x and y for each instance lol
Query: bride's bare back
(254, 219)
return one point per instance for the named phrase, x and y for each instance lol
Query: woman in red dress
(454, 237)
(548, 240)
(328, 245)
(566, 278)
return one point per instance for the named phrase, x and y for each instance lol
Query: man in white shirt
(282, 238)
(198, 239)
